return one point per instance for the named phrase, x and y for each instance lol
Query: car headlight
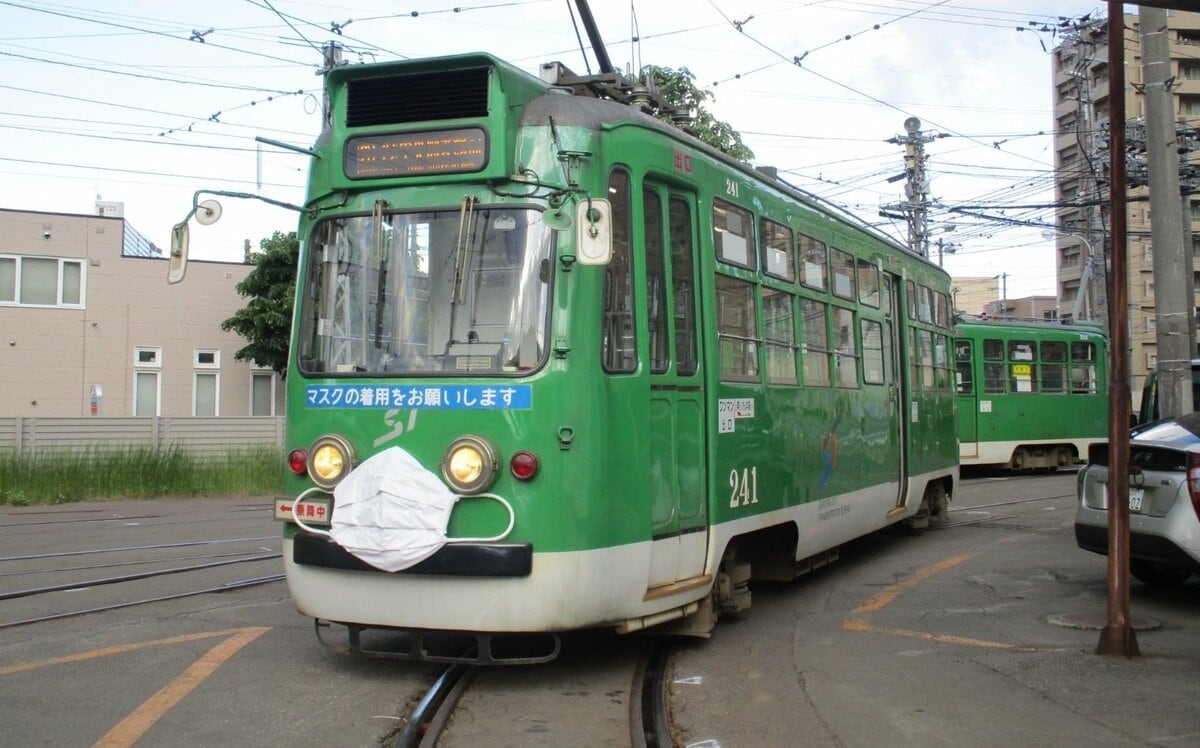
(470, 465)
(330, 461)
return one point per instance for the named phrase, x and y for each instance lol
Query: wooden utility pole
(1118, 636)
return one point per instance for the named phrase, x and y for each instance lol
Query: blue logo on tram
(432, 397)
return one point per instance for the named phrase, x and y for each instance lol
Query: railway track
(63, 562)
(431, 721)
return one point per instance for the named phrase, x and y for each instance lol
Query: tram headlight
(470, 465)
(330, 461)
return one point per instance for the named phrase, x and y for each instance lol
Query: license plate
(1135, 498)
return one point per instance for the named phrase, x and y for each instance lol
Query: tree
(676, 86)
(266, 321)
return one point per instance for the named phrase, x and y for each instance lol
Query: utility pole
(916, 188)
(1118, 636)
(1173, 294)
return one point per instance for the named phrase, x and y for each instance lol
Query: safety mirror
(177, 262)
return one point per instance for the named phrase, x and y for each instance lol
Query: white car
(1164, 501)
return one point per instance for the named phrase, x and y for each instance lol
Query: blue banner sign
(440, 397)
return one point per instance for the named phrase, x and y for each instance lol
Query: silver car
(1164, 501)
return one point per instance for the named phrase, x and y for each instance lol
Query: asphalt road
(980, 633)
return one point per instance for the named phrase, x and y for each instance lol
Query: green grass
(136, 473)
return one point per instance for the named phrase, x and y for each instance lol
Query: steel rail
(430, 716)
(649, 715)
(129, 604)
(131, 577)
(117, 564)
(125, 549)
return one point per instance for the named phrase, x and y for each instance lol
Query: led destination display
(408, 154)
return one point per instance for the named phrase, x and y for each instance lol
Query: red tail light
(298, 461)
(524, 465)
(1193, 483)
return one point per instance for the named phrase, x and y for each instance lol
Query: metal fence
(200, 436)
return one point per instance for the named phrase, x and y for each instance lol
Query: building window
(145, 393)
(147, 357)
(1189, 70)
(207, 358)
(262, 393)
(206, 389)
(1189, 105)
(41, 281)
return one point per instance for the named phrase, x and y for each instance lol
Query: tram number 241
(743, 487)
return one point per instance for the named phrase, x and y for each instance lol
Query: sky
(144, 102)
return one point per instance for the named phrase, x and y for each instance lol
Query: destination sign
(410, 154)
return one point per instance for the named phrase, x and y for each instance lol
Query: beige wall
(54, 355)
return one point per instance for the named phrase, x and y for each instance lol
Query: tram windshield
(452, 292)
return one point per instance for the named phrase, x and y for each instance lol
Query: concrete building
(1036, 308)
(90, 326)
(1081, 91)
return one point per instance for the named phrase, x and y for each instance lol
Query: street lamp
(1085, 276)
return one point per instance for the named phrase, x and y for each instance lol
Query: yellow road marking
(881, 600)
(860, 625)
(130, 729)
(109, 651)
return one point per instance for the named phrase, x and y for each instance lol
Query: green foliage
(266, 321)
(677, 87)
(56, 477)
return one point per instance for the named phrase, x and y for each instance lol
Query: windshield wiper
(381, 287)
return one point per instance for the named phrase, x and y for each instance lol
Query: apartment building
(89, 326)
(1081, 101)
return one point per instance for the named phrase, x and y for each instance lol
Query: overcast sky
(144, 102)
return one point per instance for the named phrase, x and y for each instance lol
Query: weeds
(96, 474)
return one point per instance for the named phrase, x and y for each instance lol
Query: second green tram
(1031, 395)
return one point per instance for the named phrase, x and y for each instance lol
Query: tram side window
(1083, 369)
(777, 260)
(683, 283)
(779, 334)
(737, 330)
(964, 376)
(868, 283)
(927, 361)
(813, 259)
(942, 313)
(843, 274)
(845, 348)
(941, 362)
(872, 352)
(925, 304)
(656, 283)
(733, 234)
(911, 289)
(993, 373)
(993, 378)
(815, 351)
(618, 337)
(1054, 370)
(1022, 371)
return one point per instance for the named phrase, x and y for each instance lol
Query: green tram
(1031, 395)
(558, 365)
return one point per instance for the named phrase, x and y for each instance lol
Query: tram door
(968, 406)
(895, 355)
(676, 403)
